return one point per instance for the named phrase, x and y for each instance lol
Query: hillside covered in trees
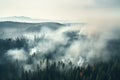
(58, 51)
(108, 70)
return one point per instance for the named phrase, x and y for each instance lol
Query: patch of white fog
(16, 54)
(90, 44)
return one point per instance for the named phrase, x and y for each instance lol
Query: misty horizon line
(17, 18)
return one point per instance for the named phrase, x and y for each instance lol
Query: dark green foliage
(12, 44)
(58, 71)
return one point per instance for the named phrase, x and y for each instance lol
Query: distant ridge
(22, 19)
(32, 20)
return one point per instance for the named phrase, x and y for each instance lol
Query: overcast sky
(73, 10)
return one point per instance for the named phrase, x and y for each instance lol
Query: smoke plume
(76, 43)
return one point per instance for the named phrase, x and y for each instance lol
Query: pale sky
(73, 10)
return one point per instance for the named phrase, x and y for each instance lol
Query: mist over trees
(60, 53)
(9, 70)
(60, 71)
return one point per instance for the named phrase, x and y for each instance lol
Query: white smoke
(16, 54)
(78, 44)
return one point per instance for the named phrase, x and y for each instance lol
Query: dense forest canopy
(55, 51)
